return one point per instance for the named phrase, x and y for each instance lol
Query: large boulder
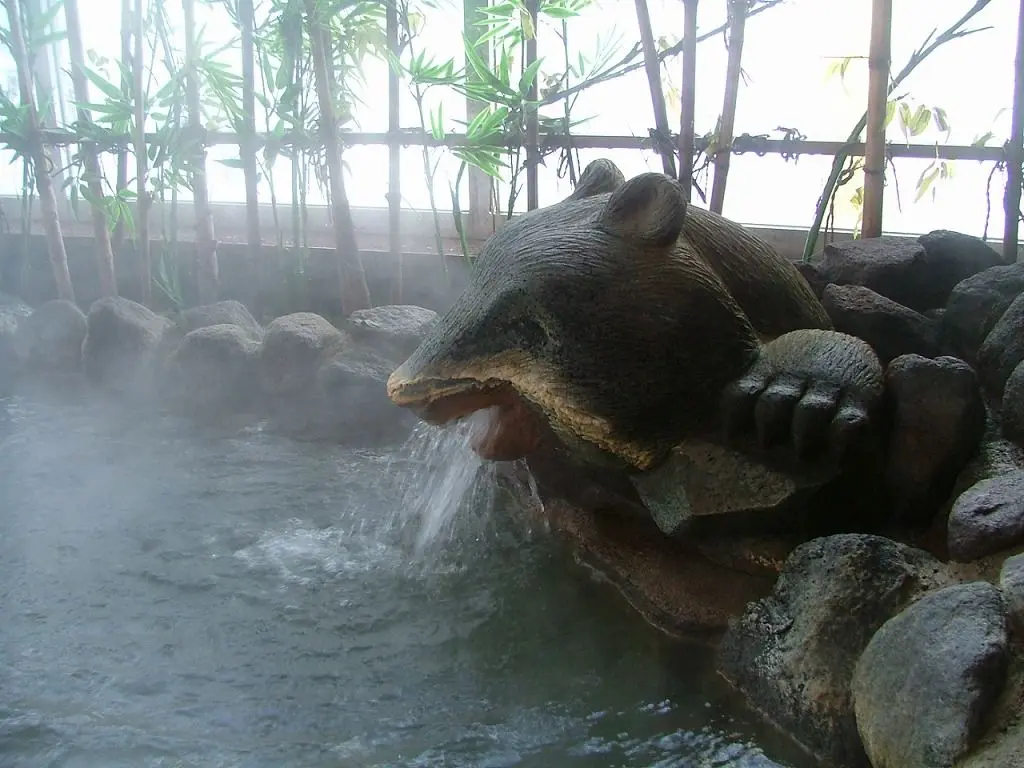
(939, 420)
(1012, 413)
(976, 304)
(890, 328)
(51, 338)
(792, 654)
(393, 332)
(227, 312)
(930, 676)
(1003, 348)
(955, 256)
(1011, 582)
(351, 399)
(987, 518)
(293, 350)
(120, 343)
(214, 369)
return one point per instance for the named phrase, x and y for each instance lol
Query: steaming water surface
(224, 597)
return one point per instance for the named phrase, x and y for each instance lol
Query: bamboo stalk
(687, 96)
(653, 68)
(532, 118)
(248, 146)
(734, 69)
(126, 91)
(878, 92)
(394, 160)
(354, 292)
(90, 157)
(141, 161)
(207, 271)
(39, 156)
(1015, 152)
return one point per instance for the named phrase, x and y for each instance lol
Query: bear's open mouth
(508, 428)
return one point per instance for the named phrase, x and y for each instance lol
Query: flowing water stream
(222, 597)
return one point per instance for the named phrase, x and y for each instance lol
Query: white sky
(786, 56)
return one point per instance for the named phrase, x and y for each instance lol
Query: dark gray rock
(1003, 348)
(1011, 582)
(227, 312)
(987, 518)
(1012, 414)
(294, 347)
(393, 331)
(792, 654)
(890, 328)
(976, 304)
(939, 419)
(929, 677)
(214, 369)
(120, 342)
(955, 256)
(51, 338)
(897, 268)
(353, 403)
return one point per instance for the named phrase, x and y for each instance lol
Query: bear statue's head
(590, 322)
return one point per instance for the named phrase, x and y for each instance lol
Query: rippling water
(216, 598)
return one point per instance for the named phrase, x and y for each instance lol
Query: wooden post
(734, 69)
(126, 90)
(480, 214)
(652, 66)
(207, 270)
(1015, 151)
(141, 161)
(90, 156)
(248, 149)
(878, 90)
(687, 96)
(394, 161)
(40, 157)
(354, 292)
(532, 124)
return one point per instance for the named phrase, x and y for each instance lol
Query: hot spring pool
(223, 597)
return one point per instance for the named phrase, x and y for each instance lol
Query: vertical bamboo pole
(394, 161)
(246, 16)
(126, 91)
(141, 161)
(734, 69)
(39, 156)
(878, 90)
(653, 69)
(1015, 151)
(532, 122)
(90, 156)
(480, 184)
(354, 292)
(687, 96)
(207, 270)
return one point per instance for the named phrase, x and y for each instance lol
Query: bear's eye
(527, 333)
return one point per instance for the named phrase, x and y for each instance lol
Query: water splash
(443, 477)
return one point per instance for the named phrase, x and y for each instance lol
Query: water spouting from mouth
(444, 477)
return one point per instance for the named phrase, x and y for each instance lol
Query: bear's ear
(600, 176)
(649, 207)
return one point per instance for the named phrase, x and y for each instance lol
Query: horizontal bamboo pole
(744, 144)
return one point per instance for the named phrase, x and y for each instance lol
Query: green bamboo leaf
(925, 180)
(110, 90)
(529, 75)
